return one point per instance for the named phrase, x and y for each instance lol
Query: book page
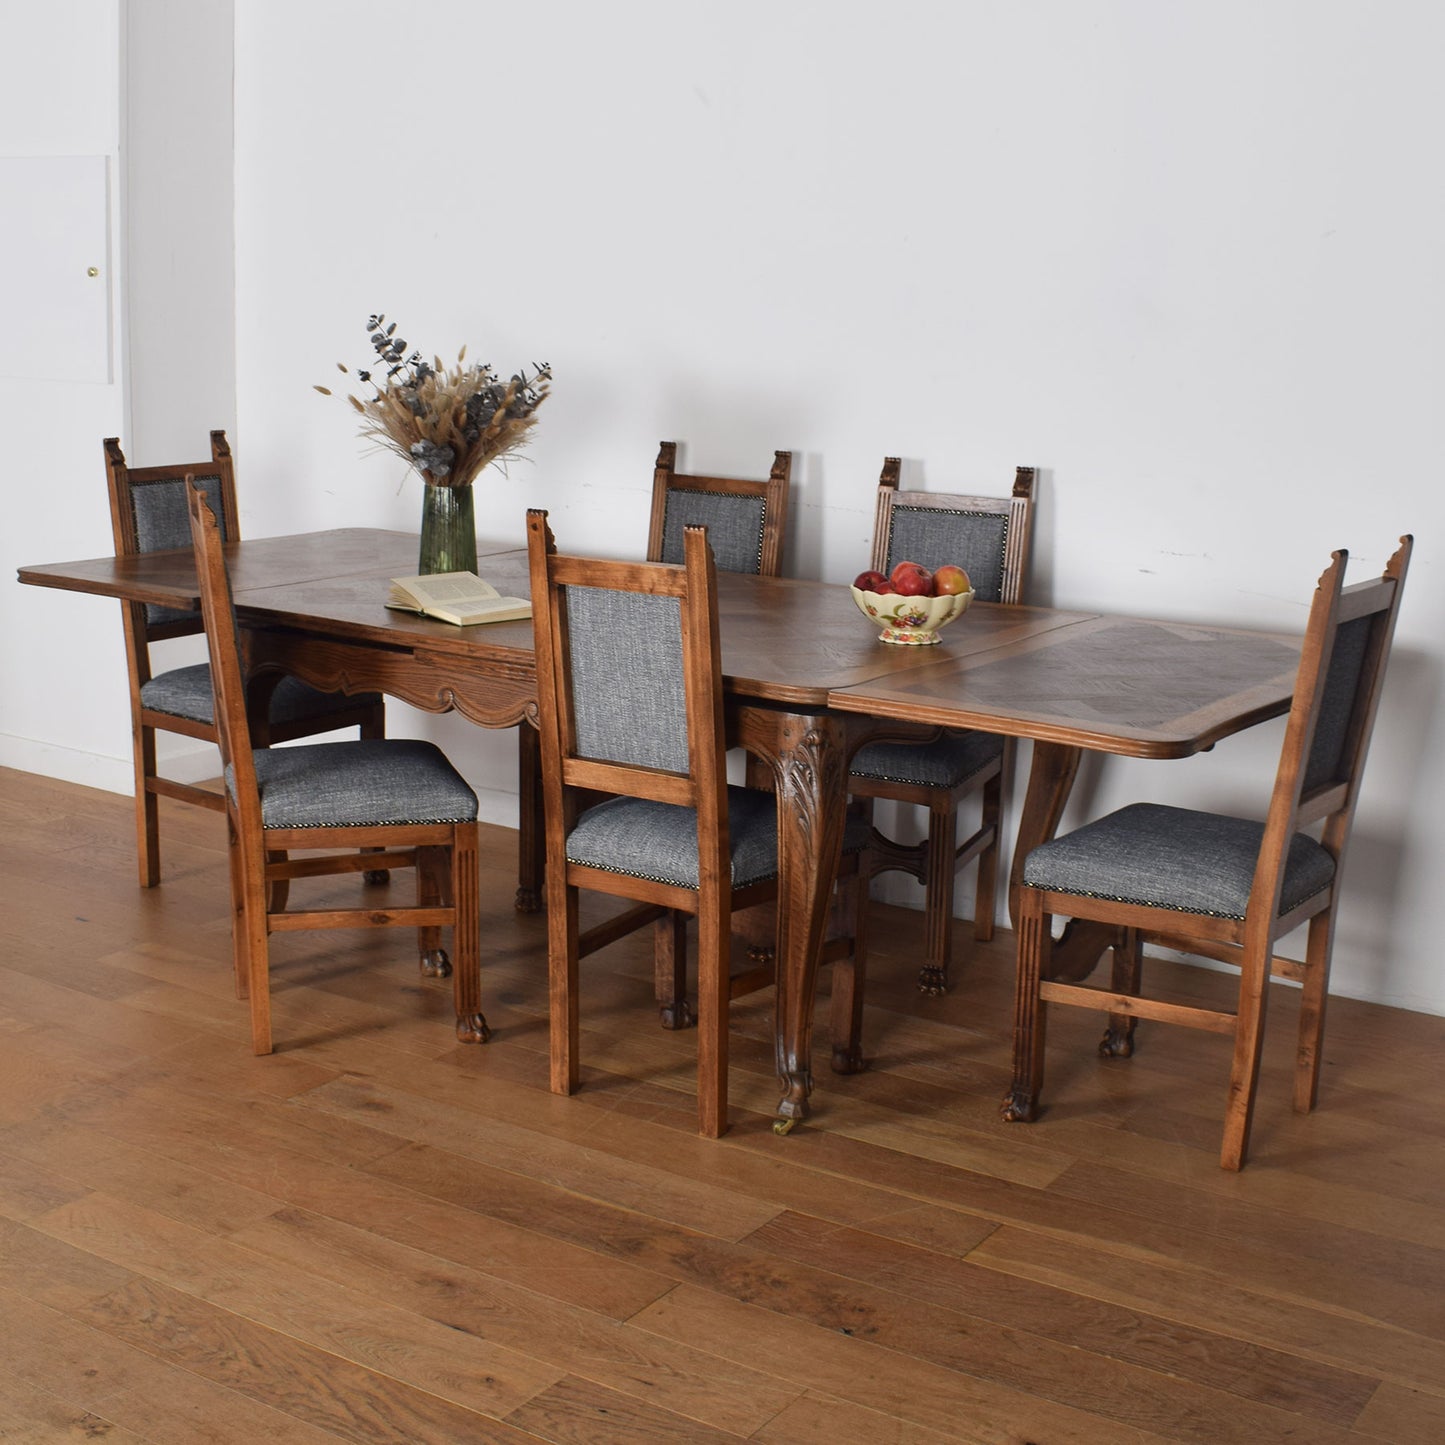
(461, 598)
(456, 591)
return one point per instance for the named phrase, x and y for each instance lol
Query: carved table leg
(809, 758)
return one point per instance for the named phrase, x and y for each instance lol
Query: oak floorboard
(580, 1412)
(131, 1390)
(820, 1420)
(914, 1391)
(338, 1240)
(1216, 1302)
(709, 1209)
(683, 1377)
(229, 1138)
(30, 1416)
(952, 1337)
(230, 1349)
(390, 1342)
(1250, 1371)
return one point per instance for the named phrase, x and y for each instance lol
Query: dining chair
(989, 538)
(745, 520)
(148, 514)
(398, 799)
(1218, 886)
(637, 802)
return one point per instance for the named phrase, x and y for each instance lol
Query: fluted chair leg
(1020, 1104)
(1314, 996)
(939, 874)
(669, 961)
(985, 899)
(147, 810)
(1127, 974)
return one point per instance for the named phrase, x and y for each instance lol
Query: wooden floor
(379, 1235)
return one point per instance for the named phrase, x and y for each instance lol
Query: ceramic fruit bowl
(911, 621)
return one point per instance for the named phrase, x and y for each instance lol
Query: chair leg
(940, 872)
(236, 877)
(1248, 1043)
(1313, 999)
(147, 809)
(669, 966)
(1126, 977)
(467, 935)
(985, 897)
(279, 890)
(531, 837)
(374, 726)
(562, 972)
(433, 883)
(254, 939)
(714, 945)
(850, 975)
(1020, 1104)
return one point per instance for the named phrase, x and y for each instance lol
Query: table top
(1117, 684)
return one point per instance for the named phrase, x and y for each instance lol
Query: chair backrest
(629, 680)
(1337, 692)
(745, 520)
(219, 615)
(148, 513)
(987, 536)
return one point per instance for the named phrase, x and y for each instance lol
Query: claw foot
(473, 1029)
(436, 964)
(677, 1015)
(528, 900)
(848, 1060)
(1018, 1106)
(932, 980)
(1118, 1043)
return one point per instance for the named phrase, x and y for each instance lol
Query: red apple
(871, 581)
(949, 581)
(909, 579)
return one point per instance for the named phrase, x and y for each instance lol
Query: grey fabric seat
(369, 782)
(1163, 857)
(186, 692)
(658, 841)
(951, 760)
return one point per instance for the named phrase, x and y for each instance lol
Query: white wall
(63, 708)
(1183, 259)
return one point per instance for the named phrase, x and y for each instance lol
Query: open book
(459, 597)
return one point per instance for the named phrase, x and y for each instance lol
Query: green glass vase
(448, 530)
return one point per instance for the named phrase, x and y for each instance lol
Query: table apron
(499, 693)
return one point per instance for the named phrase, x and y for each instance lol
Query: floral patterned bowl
(911, 621)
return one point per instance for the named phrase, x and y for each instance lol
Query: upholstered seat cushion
(186, 692)
(941, 764)
(658, 841)
(351, 784)
(1175, 858)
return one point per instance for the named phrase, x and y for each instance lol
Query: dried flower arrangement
(447, 422)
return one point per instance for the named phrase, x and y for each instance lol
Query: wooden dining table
(807, 683)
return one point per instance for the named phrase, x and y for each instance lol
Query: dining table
(807, 681)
